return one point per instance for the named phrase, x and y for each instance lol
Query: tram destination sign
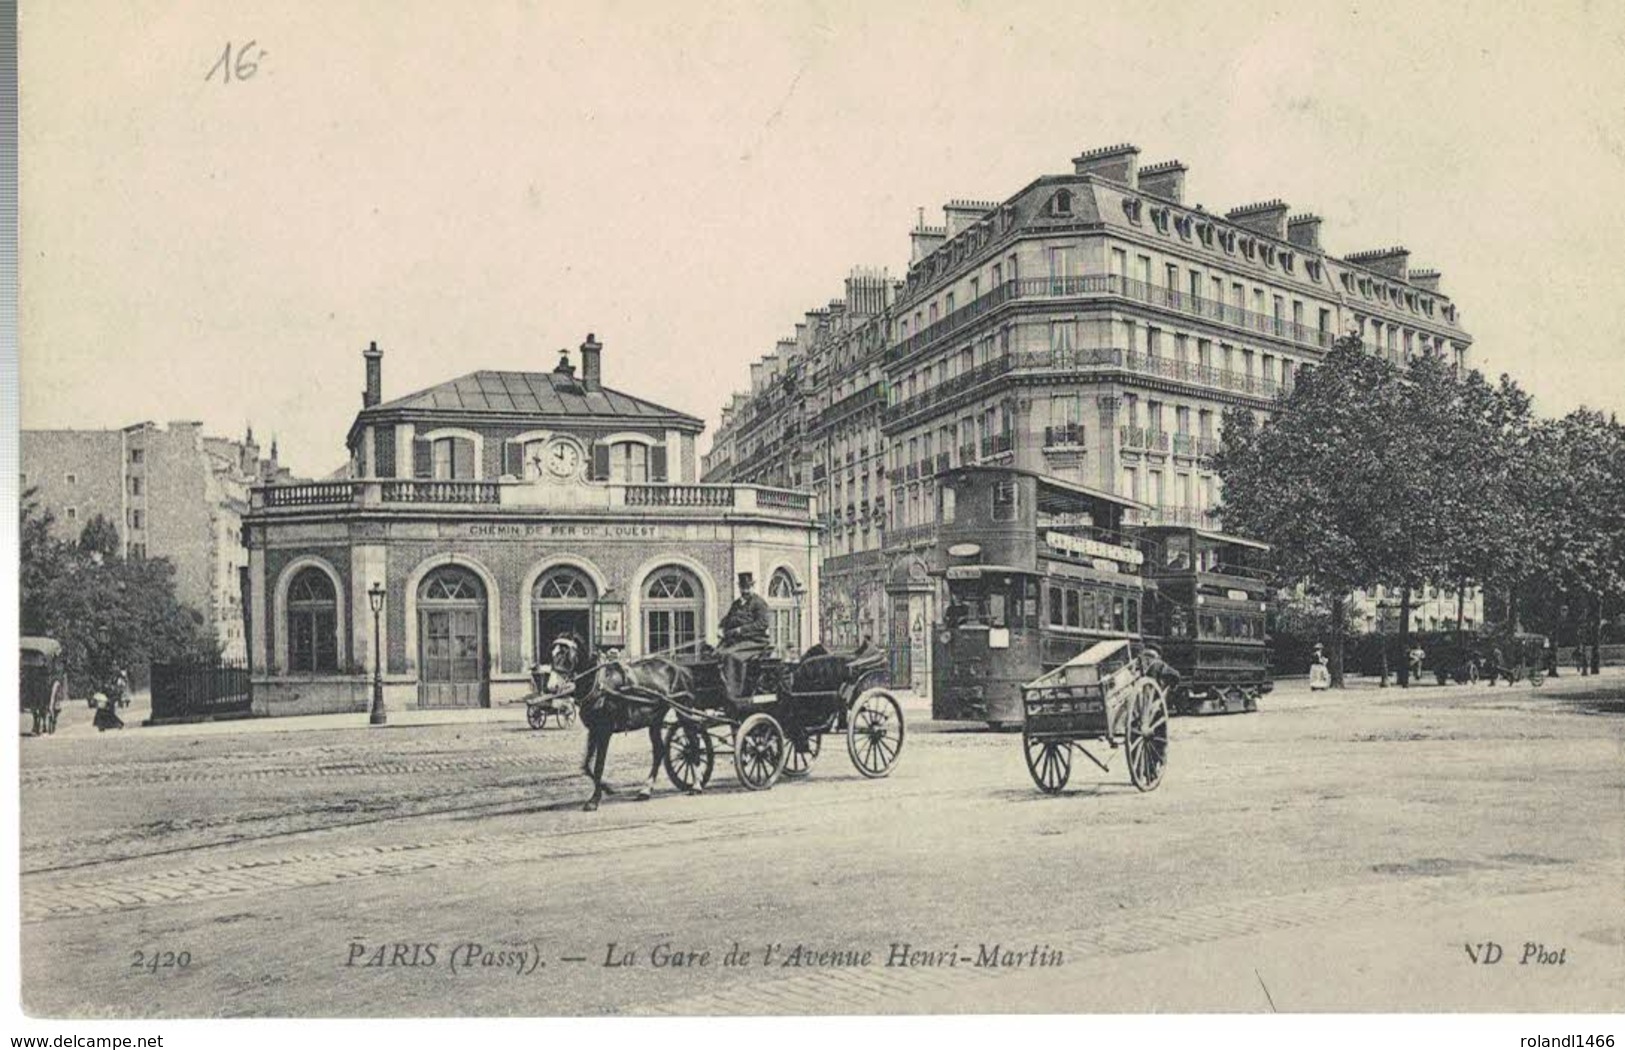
(1082, 547)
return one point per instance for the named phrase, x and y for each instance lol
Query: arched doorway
(786, 605)
(312, 623)
(561, 603)
(673, 611)
(451, 639)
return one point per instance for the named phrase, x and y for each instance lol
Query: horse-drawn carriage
(780, 726)
(44, 686)
(1113, 692)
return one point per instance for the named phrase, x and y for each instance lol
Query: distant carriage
(44, 686)
(1111, 693)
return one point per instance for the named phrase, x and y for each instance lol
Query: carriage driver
(746, 634)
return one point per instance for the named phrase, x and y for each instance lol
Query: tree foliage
(109, 613)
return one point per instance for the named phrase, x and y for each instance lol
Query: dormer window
(1204, 233)
(1227, 241)
(1061, 203)
(1289, 262)
(1183, 226)
(1248, 247)
(1269, 255)
(1312, 268)
(1132, 207)
(1160, 218)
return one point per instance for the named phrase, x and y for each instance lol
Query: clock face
(562, 459)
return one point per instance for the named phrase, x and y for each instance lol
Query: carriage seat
(823, 671)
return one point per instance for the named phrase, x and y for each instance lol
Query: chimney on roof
(1427, 280)
(375, 375)
(1304, 231)
(564, 367)
(1118, 164)
(1265, 217)
(1165, 180)
(1390, 262)
(592, 365)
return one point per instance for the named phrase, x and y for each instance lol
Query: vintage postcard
(626, 509)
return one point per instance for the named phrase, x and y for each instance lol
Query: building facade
(496, 512)
(170, 492)
(1095, 326)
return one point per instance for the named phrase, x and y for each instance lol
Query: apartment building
(171, 492)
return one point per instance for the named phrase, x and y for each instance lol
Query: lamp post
(378, 717)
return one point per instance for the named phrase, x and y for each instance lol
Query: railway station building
(495, 512)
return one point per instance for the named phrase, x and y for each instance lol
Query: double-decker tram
(1037, 569)
(1208, 616)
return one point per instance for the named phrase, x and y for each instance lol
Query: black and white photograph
(819, 509)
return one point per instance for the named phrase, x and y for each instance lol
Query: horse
(616, 696)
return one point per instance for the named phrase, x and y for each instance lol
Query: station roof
(531, 394)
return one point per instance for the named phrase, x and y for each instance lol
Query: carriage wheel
(1147, 736)
(874, 733)
(567, 716)
(798, 764)
(1049, 761)
(536, 716)
(689, 756)
(760, 750)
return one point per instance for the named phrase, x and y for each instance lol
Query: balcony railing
(944, 461)
(1166, 514)
(927, 467)
(1102, 284)
(679, 496)
(1063, 362)
(994, 444)
(316, 495)
(851, 404)
(440, 492)
(1068, 435)
(967, 454)
(501, 496)
(1143, 438)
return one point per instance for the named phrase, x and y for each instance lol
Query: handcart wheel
(536, 715)
(798, 764)
(1147, 736)
(759, 751)
(689, 756)
(874, 733)
(1049, 761)
(567, 717)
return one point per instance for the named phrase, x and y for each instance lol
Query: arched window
(312, 623)
(786, 605)
(672, 606)
(451, 638)
(561, 604)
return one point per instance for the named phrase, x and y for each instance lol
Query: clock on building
(562, 458)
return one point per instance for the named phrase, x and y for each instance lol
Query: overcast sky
(477, 186)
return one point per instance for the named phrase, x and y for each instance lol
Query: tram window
(1004, 501)
(1091, 616)
(995, 609)
(1133, 616)
(1179, 552)
(1072, 614)
(1118, 623)
(1179, 623)
(1056, 618)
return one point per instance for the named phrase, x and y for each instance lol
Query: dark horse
(616, 696)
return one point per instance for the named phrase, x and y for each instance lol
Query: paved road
(1332, 852)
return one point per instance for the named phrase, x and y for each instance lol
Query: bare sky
(477, 186)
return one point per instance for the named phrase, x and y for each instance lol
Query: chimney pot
(592, 364)
(375, 375)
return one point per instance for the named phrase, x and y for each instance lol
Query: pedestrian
(1580, 663)
(1492, 666)
(1416, 656)
(121, 688)
(1549, 651)
(1320, 676)
(106, 713)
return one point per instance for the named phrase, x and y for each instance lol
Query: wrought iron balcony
(994, 444)
(1109, 285)
(1068, 435)
(1143, 438)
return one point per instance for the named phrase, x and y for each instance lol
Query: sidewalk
(76, 719)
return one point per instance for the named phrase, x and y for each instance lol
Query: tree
(1306, 481)
(109, 614)
(99, 539)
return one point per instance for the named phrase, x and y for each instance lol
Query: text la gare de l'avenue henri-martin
(524, 959)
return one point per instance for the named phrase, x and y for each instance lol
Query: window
(136, 455)
(137, 519)
(135, 485)
(629, 462)
(312, 623)
(1063, 335)
(1004, 501)
(72, 513)
(671, 611)
(72, 479)
(786, 605)
(452, 459)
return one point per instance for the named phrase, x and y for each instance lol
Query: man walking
(746, 634)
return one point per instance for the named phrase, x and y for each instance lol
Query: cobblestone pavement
(1399, 825)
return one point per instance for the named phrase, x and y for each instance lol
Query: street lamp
(378, 717)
